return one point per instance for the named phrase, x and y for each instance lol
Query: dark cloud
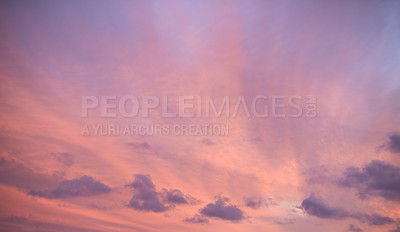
(396, 230)
(221, 209)
(175, 196)
(394, 143)
(146, 197)
(84, 186)
(355, 228)
(317, 207)
(377, 179)
(197, 219)
(373, 219)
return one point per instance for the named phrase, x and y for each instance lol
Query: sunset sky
(337, 170)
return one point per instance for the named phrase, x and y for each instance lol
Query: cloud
(284, 221)
(208, 142)
(355, 228)
(253, 202)
(146, 198)
(175, 196)
(220, 209)
(394, 143)
(319, 175)
(373, 219)
(256, 202)
(396, 230)
(317, 207)
(196, 219)
(84, 186)
(65, 158)
(20, 223)
(138, 145)
(14, 218)
(19, 175)
(376, 179)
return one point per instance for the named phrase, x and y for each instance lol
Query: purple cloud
(139, 146)
(65, 158)
(373, 219)
(146, 198)
(208, 142)
(394, 143)
(84, 186)
(196, 219)
(355, 228)
(256, 202)
(396, 230)
(175, 196)
(317, 207)
(220, 209)
(14, 173)
(376, 179)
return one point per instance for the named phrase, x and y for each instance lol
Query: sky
(313, 139)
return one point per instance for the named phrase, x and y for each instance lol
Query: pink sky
(338, 171)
